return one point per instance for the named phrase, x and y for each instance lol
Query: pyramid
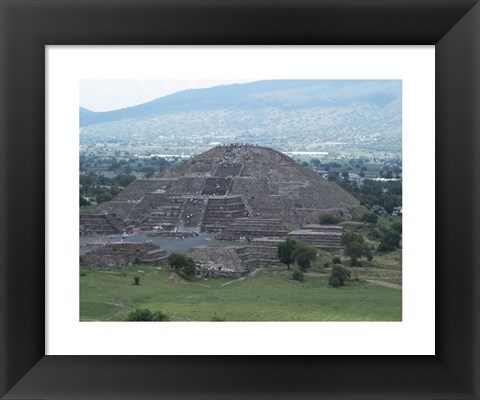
(226, 185)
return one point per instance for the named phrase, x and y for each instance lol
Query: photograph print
(266, 200)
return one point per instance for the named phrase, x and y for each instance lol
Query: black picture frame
(453, 26)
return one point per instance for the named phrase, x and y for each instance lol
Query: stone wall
(249, 228)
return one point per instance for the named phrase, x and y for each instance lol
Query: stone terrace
(187, 185)
(324, 237)
(165, 215)
(221, 211)
(99, 224)
(217, 186)
(228, 169)
(253, 228)
(115, 255)
(192, 215)
(140, 187)
(264, 252)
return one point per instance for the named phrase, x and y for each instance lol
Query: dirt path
(255, 272)
(384, 284)
(250, 275)
(235, 281)
(113, 304)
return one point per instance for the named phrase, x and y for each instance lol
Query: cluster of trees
(96, 186)
(292, 250)
(182, 264)
(122, 164)
(392, 238)
(100, 188)
(386, 194)
(385, 168)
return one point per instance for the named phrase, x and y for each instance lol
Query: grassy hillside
(268, 296)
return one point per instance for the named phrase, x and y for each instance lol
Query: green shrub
(397, 227)
(298, 275)
(336, 260)
(216, 318)
(160, 316)
(136, 280)
(146, 315)
(370, 217)
(329, 219)
(334, 281)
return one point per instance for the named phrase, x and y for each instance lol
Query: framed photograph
(378, 312)
(40, 360)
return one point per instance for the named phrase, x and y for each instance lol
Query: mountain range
(284, 114)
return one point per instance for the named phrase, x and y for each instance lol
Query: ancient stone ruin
(219, 261)
(233, 190)
(260, 252)
(238, 192)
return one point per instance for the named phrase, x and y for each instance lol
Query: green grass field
(268, 296)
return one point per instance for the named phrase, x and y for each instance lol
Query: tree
(390, 242)
(285, 251)
(103, 197)
(338, 276)
(333, 176)
(304, 254)
(181, 263)
(292, 250)
(189, 267)
(355, 248)
(397, 227)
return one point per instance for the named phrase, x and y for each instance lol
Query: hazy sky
(106, 95)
